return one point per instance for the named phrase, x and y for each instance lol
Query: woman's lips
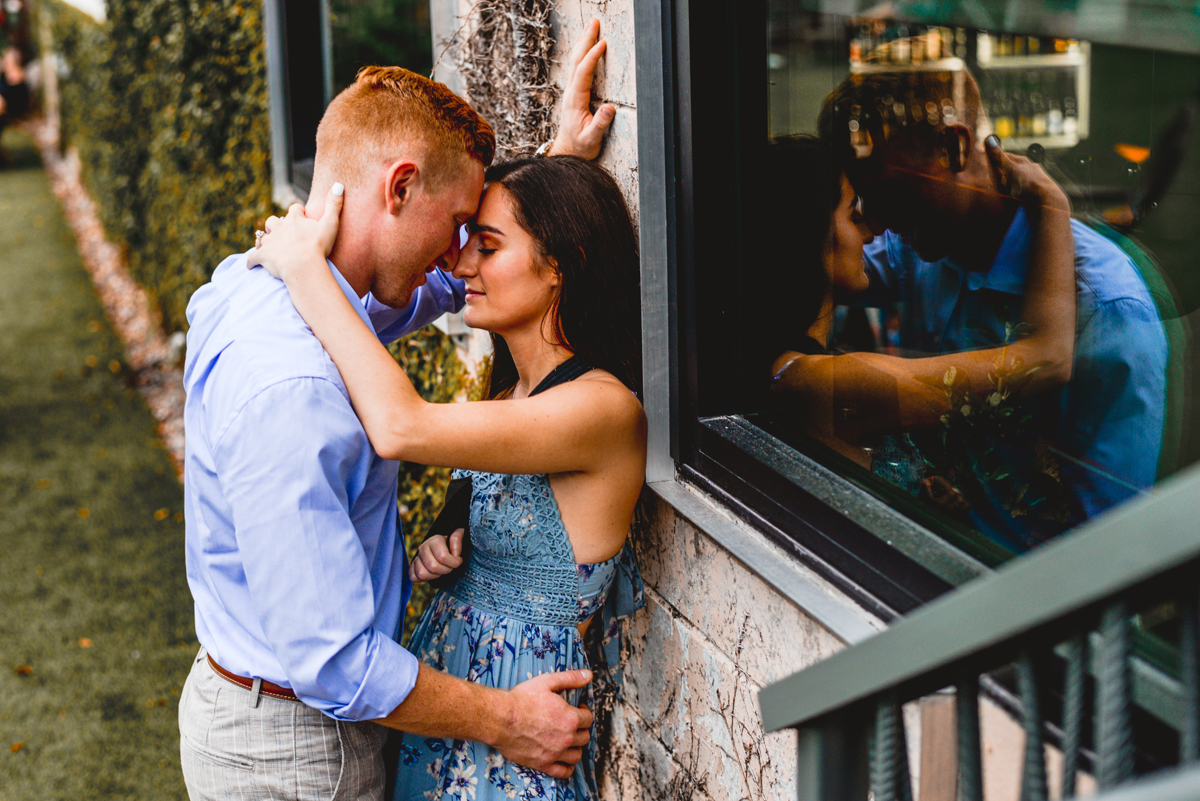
(472, 293)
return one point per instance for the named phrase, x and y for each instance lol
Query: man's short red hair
(388, 110)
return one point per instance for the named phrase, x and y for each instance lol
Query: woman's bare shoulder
(603, 392)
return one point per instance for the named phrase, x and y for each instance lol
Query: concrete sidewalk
(96, 631)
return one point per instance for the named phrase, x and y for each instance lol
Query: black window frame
(299, 49)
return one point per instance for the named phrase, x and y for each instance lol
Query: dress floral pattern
(511, 615)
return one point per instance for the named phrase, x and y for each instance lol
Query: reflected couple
(1030, 393)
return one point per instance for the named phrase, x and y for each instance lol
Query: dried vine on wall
(505, 63)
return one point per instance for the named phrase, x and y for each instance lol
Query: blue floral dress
(511, 615)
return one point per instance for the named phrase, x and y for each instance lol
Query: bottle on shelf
(1054, 116)
(1003, 122)
(1022, 107)
(901, 47)
(1039, 113)
(983, 47)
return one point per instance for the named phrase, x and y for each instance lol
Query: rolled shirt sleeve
(291, 463)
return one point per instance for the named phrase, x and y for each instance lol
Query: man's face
(912, 196)
(425, 236)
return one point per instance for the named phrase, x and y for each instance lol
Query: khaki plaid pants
(236, 744)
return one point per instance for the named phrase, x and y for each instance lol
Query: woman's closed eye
(486, 251)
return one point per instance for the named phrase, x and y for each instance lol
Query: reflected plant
(989, 445)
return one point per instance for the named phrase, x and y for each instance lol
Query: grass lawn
(96, 630)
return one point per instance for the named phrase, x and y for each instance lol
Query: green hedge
(166, 102)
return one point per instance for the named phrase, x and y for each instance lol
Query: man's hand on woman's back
(547, 733)
(530, 724)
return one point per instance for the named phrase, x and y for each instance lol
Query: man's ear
(400, 181)
(956, 141)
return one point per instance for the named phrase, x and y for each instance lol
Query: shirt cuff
(390, 677)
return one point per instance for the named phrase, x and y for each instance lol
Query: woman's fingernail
(338, 189)
(992, 140)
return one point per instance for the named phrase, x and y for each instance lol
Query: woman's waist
(517, 587)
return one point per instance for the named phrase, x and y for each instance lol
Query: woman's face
(848, 232)
(507, 286)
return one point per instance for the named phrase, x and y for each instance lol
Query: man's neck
(980, 238)
(351, 254)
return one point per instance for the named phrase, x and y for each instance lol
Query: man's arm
(290, 462)
(440, 294)
(531, 724)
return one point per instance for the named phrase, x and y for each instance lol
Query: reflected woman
(852, 402)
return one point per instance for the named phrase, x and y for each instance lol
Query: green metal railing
(1066, 617)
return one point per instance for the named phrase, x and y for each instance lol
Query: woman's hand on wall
(580, 132)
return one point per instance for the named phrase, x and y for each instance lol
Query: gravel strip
(154, 357)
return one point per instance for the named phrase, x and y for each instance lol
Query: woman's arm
(581, 426)
(872, 393)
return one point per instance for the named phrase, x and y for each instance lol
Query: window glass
(999, 346)
(379, 32)
(325, 43)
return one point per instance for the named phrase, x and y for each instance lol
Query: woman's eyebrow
(474, 227)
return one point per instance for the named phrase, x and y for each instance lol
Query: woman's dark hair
(577, 216)
(805, 186)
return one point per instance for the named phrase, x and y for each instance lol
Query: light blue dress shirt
(294, 556)
(1107, 422)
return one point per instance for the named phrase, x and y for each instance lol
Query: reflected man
(955, 258)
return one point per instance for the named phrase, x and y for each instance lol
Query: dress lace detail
(513, 614)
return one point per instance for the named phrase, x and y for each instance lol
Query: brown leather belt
(267, 687)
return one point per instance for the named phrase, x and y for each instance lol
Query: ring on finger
(258, 238)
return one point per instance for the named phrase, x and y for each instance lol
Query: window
(904, 420)
(314, 50)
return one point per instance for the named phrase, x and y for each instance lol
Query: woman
(556, 453)
(855, 402)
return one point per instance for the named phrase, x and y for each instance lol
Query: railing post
(1114, 728)
(890, 778)
(1077, 660)
(1033, 775)
(831, 761)
(1189, 675)
(970, 763)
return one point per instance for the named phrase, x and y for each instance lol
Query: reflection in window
(379, 32)
(322, 45)
(991, 366)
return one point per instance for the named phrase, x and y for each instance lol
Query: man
(954, 257)
(294, 557)
(14, 92)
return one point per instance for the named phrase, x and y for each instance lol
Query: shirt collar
(1007, 273)
(351, 295)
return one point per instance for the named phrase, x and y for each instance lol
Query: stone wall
(712, 633)
(711, 636)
